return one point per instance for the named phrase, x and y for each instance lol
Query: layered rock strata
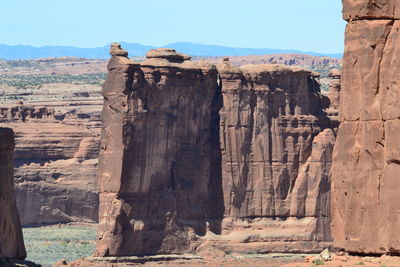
(11, 240)
(334, 89)
(56, 159)
(155, 160)
(276, 157)
(366, 156)
(191, 155)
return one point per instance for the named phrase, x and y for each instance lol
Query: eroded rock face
(55, 165)
(25, 113)
(155, 160)
(191, 155)
(273, 165)
(334, 89)
(366, 156)
(11, 240)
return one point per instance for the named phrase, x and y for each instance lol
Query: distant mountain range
(8, 52)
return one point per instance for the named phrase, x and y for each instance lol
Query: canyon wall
(366, 155)
(155, 160)
(192, 154)
(11, 240)
(276, 156)
(55, 159)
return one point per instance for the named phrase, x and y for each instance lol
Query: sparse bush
(319, 262)
(47, 245)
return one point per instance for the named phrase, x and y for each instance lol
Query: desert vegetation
(46, 245)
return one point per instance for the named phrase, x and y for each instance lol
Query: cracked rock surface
(366, 165)
(194, 155)
(11, 240)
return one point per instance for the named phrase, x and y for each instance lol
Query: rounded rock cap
(6, 139)
(168, 54)
(117, 51)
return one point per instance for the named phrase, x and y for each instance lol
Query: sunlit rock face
(192, 154)
(155, 159)
(276, 155)
(11, 240)
(366, 156)
(55, 160)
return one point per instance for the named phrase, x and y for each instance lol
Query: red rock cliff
(366, 156)
(11, 240)
(191, 155)
(155, 157)
(276, 157)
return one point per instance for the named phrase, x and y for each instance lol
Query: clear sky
(308, 25)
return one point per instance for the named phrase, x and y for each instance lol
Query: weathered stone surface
(334, 89)
(116, 50)
(55, 169)
(25, 113)
(370, 9)
(365, 42)
(191, 155)
(366, 158)
(273, 166)
(11, 240)
(155, 158)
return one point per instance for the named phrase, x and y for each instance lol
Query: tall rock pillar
(11, 240)
(156, 153)
(366, 164)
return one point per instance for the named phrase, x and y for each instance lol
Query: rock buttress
(276, 158)
(156, 155)
(11, 240)
(366, 160)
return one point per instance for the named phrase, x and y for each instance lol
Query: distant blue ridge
(21, 52)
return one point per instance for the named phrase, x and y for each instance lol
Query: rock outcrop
(25, 113)
(276, 156)
(334, 89)
(366, 155)
(191, 155)
(11, 240)
(155, 161)
(56, 159)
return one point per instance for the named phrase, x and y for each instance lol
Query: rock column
(275, 156)
(156, 153)
(366, 166)
(11, 240)
(334, 89)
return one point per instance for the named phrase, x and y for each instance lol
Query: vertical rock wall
(191, 155)
(366, 163)
(334, 89)
(155, 159)
(11, 240)
(276, 155)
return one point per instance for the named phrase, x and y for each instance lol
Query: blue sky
(308, 25)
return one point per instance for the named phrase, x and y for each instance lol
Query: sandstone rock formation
(155, 160)
(366, 156)
(25, 113)
(55, 165)
(334, 89)
(191, 155)
(276, 156)
(11, 240)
